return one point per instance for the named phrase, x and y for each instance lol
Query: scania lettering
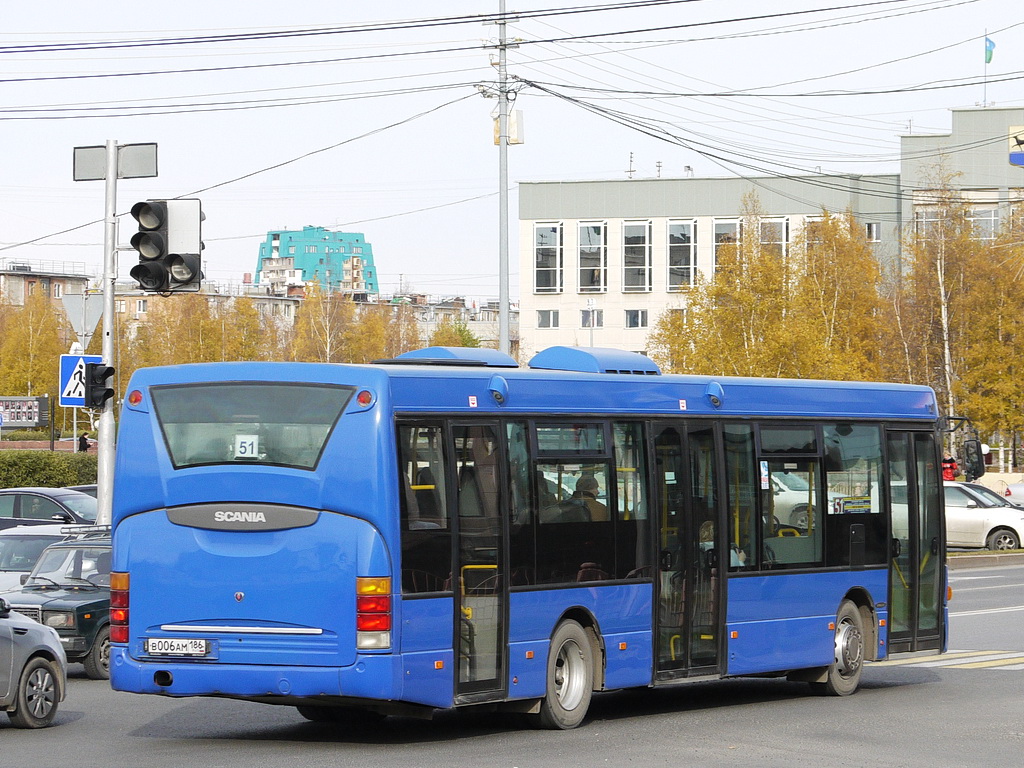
(239, 517)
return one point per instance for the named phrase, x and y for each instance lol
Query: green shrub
(48, 469)
(31, 434)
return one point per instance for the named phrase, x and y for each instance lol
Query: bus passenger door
(689, 552)
(480, 586)
(916, 579)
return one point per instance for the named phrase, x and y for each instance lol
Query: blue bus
(448, 529)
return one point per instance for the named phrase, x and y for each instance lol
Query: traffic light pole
(105, 438)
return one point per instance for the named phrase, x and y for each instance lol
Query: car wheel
(570, 678)
(1002, 540)
(843, 675)
(798, 518)
(97, 662)
(38, 695)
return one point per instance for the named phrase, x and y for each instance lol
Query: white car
(21, 546)
(791, 494)
(978, 519)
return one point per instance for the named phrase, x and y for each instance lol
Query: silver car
(33, 669)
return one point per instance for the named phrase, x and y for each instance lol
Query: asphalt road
(963, 709)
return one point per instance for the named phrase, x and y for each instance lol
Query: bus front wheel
(843, 676)
(570, 678)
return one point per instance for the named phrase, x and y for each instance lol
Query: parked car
(977, 519)
(69, 590)
(38, 506)
(21, 546)
(33, 675)
(1014, 494)
(89, 489)
(994, 496)
(790, 493)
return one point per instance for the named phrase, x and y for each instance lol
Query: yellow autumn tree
(33, 341)
(321, 323)
(735, 322)
(453, 332)
(809, 311)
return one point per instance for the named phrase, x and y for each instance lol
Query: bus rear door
(481, 592)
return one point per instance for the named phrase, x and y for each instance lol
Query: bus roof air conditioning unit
(463, 356)
(594, 360)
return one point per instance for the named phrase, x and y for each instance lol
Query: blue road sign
(72, 379)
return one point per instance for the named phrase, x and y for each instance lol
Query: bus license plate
(177, 646)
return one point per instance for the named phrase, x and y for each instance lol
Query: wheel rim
(849, 645)
(1005, 541)
(105, 655)
(570, 675)
(800, 518)
(41, 693)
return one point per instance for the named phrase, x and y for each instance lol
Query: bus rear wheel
(843, 675)
(570, 678)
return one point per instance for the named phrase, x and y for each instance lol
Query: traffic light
(97, 388)
(169, 242)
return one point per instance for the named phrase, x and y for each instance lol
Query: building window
(140, 305)
(873, 231)
(636, 257)
(592, 318)
(927, 223)
(682, 238)
(593, 252)
(984, 223)
(812, 231)
(58, 290)
(291, 249)
(119, 306)
(547, 255)
(636, 318)
(727, 234)
(774, 236)
(547, 318)
(357, 249)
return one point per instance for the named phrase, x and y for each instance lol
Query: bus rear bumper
(370, 677)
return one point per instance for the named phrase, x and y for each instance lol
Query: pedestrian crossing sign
(72, 379)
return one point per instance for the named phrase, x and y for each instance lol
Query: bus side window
(426, 535)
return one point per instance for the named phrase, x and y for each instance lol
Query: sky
(372, 117)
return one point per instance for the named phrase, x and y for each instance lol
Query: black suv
(69, 590)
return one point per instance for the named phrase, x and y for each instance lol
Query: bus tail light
(373, 613)
(118, 607)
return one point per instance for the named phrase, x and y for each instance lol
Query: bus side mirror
(974, 463)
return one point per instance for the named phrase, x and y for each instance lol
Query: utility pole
(109, 163)
(105, 438)
(504, 344)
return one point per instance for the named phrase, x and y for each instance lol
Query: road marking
(926, 659)
(1008, 609)
(995, 661)
(1001, 660)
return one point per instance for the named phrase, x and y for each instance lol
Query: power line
(261, 170)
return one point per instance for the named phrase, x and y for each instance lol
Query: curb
(958, 562)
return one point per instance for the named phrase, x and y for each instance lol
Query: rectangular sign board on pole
(72, 379)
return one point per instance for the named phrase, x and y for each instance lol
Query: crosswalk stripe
(999, 661)
(962, 660)
(930, 659)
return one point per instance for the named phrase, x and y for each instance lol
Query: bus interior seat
(591, 572)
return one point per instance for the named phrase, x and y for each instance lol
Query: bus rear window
(250, 423)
